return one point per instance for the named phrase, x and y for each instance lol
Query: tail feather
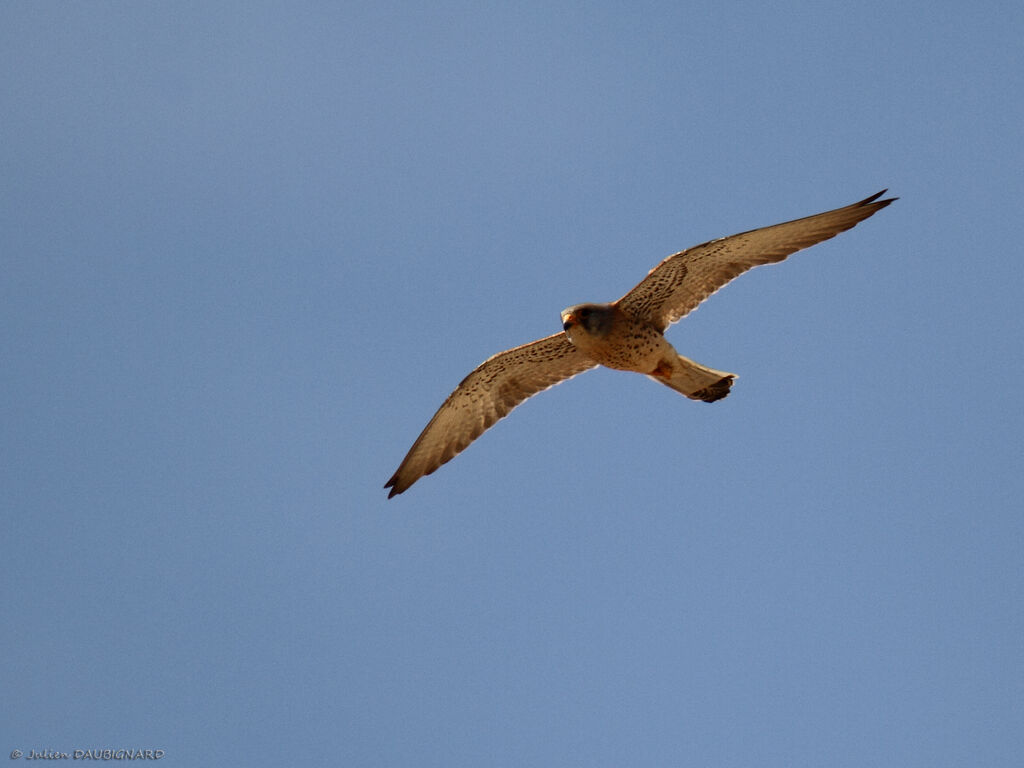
(694, 380)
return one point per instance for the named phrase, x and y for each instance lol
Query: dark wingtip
(391, 484)
(874, 197)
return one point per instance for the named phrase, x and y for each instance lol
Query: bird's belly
(629, 349)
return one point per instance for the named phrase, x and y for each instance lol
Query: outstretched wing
(497, 386)
(678, 284)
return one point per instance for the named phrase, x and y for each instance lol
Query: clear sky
(247, 249)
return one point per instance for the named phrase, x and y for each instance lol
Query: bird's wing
(682, 281)
(497, 386)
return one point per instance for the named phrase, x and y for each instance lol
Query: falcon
(626, 335)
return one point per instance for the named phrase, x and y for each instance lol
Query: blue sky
(249, 248)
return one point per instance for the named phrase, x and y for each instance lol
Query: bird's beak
(568, 320)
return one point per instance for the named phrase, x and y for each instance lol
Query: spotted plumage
(626, 335)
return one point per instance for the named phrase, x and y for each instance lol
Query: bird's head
(592, 319)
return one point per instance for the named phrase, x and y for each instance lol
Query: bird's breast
(627, 344)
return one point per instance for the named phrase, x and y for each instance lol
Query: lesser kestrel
(626, 334)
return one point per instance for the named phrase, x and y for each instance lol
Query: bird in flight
(626, 334)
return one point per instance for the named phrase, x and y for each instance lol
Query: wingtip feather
(874, 197)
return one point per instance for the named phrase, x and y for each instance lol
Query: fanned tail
(694, 380)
